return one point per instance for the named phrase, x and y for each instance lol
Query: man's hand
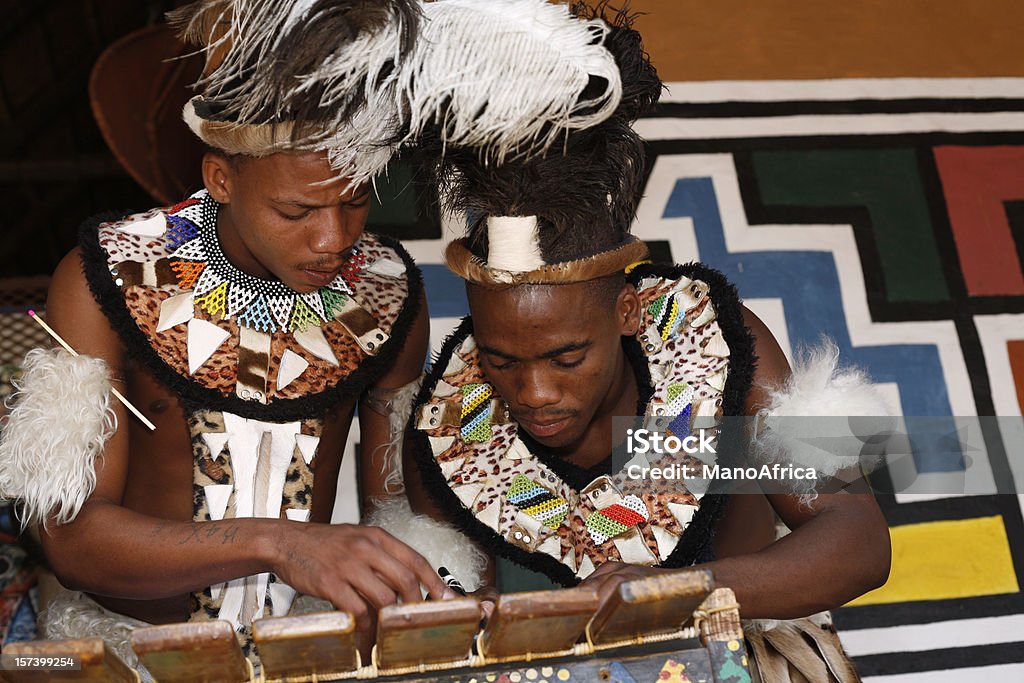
(487, 596)
(359, 569)
(606, 578)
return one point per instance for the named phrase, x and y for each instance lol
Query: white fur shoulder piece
(59, 423)
(807, 423)
(441, 544)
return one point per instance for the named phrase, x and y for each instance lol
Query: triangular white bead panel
(239, 298)
(217, 499)
(281, 308)
(203, 339)
(315, 302)
(176, 310)
(307, 446)
(154, 226)
(207, 281)
(292, 365)
(312, 339)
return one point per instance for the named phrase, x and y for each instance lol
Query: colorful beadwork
(200, 264)
(333, 300)
(616, 519)
(188, 272)
(281, 308)
(257, 316)
(182, 230)
(353, 266)
(537, 501)
(476, 412)
(302, 317)
(680, 397)
(215, 301)
(667, 317)
(191, 201)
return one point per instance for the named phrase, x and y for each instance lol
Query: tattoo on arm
(200, 535)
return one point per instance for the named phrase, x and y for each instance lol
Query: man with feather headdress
(250, 320)
(571, 325)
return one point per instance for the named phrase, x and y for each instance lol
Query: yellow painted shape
(961, 558)
(673, 672)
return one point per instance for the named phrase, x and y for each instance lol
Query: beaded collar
(501, 488)
(221, 289)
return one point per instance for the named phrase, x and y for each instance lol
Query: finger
(345, 599)
(487, 608)
(369, 585)
(604, 569)
(410, 560)
(610, 584)
(387, 563)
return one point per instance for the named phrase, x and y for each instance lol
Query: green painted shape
(887, 183)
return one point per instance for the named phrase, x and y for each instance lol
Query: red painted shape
(976, 182)
(1016, 351)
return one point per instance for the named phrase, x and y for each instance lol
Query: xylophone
(673, 627)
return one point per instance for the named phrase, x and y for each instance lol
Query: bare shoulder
(74, 313)
(772, 367)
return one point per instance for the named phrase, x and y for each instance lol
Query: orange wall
(803, 39)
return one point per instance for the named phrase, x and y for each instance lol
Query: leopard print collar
(512, 500)
(223, 340)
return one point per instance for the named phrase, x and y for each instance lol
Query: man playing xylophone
(570, 325)
(250, 320)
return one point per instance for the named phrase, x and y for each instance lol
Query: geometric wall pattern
(888, 215)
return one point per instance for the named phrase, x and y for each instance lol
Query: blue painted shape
(23, 622)
(446, 292)
(618, 674)
(808, 284)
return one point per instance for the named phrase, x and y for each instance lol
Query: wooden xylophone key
(313, 644)
(657, 604)
(97, 661)
(199, 651)
(538, 622)
(426, 633)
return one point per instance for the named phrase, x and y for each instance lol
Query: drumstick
(450, 581)
(67, 347)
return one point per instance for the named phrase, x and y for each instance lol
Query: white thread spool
(513, 243)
